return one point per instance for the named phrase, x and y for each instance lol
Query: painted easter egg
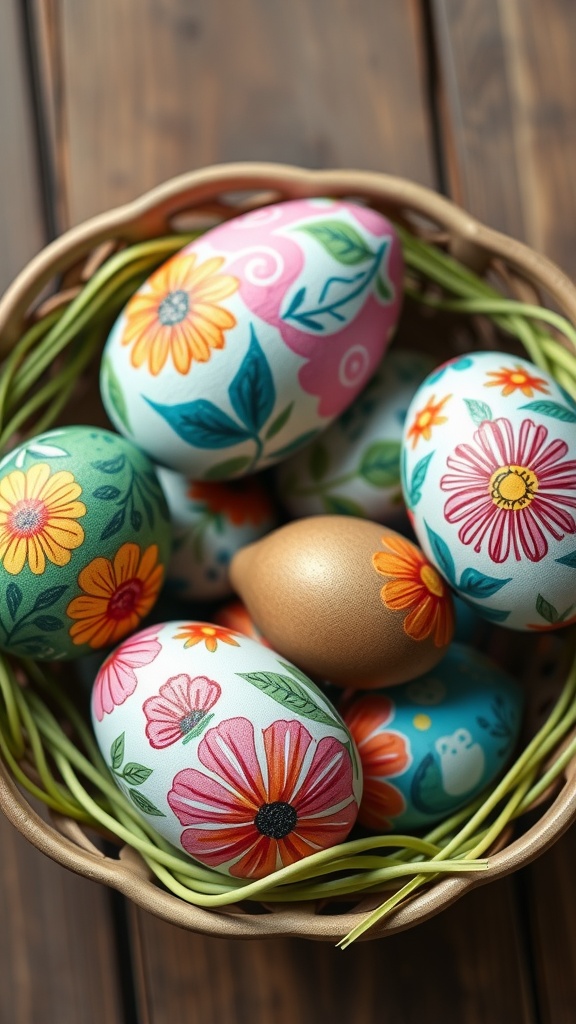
(430, 746)
(354, 467)
(234, 615)
(489, 477)
(210, 522)
(84, 541)
(254, 337)
(228, 751)
(348, 600)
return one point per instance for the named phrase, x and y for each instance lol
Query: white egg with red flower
(230, 752)
(489, 480)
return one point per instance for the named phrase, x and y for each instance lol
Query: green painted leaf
(547, 610)
(384, 290)
(569, 560)
(136, 520)
(114, 525)
(318, 461)
(298, 442)
(115, 465)
(475, 584)
(106, 493)
(202, 424)
(116, 395)
(479, 411)
(291, 694)
(229, 468)
(48, 623)
(117, 751)
(442, 555)
(13, 599)
(49, 597)
(380, 465)
(280, 421)
(135, 773)
(144, 804)
(198, 729)
(418, 478)
(252, 393)
(548, 408)
(341, 240)
(336, 505)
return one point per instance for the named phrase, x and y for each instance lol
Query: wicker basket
(195, 200)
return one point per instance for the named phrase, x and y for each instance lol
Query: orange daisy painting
(179, 314)
(417, 588)
(117, 594)
(38, 518)
(203, 632)
(384, 753)
(426, 419)
(516, 378)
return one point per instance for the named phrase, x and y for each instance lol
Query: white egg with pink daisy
(229, 751)
(489, 480)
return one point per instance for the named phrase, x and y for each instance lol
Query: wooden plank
(452, 968)
(20, 198)
(153, 90)
(507, 87)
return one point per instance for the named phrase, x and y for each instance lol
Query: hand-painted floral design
(509, 488)
(516, 378)
(117, 594)
(263, 810)
(180, 711)
(116, 679)
(426, 419)
(416, 587)
(179, 314)
(384, 753)
(244, 502)
(204, 632)
(38, 513)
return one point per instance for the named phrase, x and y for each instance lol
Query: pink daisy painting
(264, 804)
(117, 679)
(513, 488)
(180, 711)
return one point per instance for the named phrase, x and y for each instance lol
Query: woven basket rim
(150, 216)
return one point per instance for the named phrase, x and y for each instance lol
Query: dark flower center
(125, 598)
(276, 820)
(190, 720)
(174, 308)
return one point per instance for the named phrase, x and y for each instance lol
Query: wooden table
(98, 102)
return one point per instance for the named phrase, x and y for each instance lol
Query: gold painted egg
(347, 600)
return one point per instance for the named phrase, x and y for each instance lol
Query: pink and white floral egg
(244, 345)
(489, 479)
(354, 467)
(231, 753)
(211, 521)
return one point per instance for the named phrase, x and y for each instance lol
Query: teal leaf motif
(442, 555)
(479, 586)
(547, 610)
(569, 560)
(492, 614)
(202, 424)
(293, 446)
(114, 525)
(252, 393)
(48, 623)
(13, 599)
(280, 421)
(554, 409)
(117, 751)
(418, 478)
(144, 804)
(229, 468)
(427, 789)
(336, 505)
(106, 493)
(479, 411)
(341, 240)
(291, 694)
(115, 465)
(49, 597)
(380, 465)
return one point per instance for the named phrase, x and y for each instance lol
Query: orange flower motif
(179, 314)
(516, 378)
(383, 753)
(204, 632)
(38, 512)
(427, 418)
(117, 595)
(240, 503)
(415, 586)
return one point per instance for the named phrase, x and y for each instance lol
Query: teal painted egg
(430, 746)
(246, 344)
(84, 541)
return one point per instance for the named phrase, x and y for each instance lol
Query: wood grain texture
(465, 965)
(20, 197)
(153, 88)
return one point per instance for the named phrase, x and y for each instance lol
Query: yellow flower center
(513, 487)
(424, 418)
(518, 378)
(208, 631)
(431, 580)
